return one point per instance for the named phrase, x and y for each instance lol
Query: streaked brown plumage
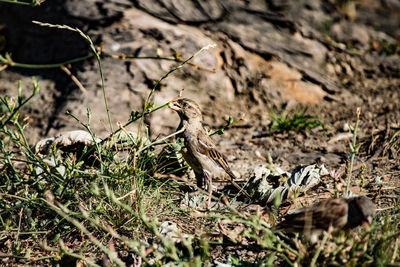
(200, 150)
(329, 215)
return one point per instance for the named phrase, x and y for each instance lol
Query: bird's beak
(174, 105)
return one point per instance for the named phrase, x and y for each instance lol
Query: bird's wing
(206, 146)
(332, 212)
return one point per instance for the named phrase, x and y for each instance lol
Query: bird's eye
(185, 105)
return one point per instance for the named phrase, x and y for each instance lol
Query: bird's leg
(208, 180)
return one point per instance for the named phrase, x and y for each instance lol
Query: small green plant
(354, 148)
(296, 122)
(230, 122)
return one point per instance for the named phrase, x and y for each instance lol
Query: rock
(302, 179)
(96, 11)
(350, 32)
(392, 65)
(64, 141)
(183, 11)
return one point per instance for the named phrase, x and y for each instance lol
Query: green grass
(295, 121)
(54, 199)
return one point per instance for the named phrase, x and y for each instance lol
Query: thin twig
(127, 194)
(7, 61)
(32, 3)
(162, 139)
(74, 79)
(3, 67)
(179, 60)
(229, 124)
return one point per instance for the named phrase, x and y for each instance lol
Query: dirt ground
(326, 57)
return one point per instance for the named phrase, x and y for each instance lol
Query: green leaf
(230, 120)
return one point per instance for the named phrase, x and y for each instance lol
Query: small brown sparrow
(330, 215)
(200, 150)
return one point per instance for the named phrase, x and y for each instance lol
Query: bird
(200, 151)
(331, 215)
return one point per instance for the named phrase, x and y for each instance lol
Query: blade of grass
(95, 52)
